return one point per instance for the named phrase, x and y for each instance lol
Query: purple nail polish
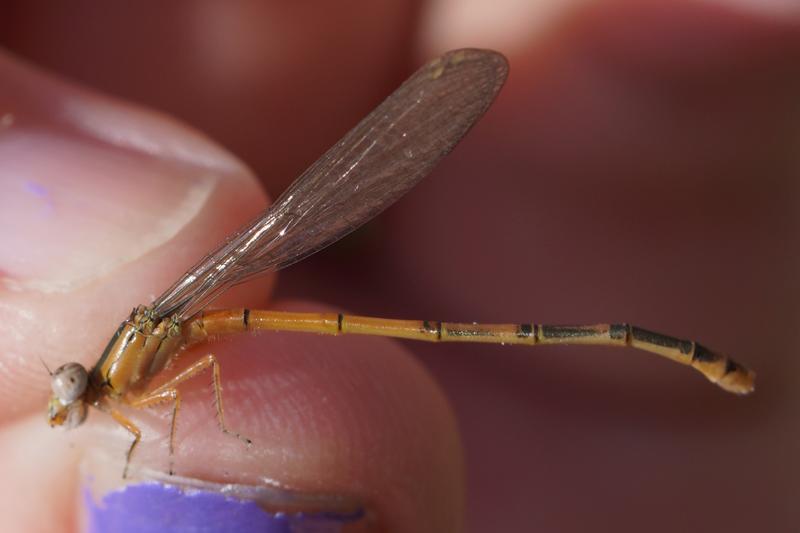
(157, 507)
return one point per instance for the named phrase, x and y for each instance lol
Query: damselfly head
(67, 407)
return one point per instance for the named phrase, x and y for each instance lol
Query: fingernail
(201, 507)
(84, 177)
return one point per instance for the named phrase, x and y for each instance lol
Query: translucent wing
(378, 161)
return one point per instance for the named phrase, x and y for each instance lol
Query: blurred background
(641, 165)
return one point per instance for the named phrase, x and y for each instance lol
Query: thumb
(104, 205)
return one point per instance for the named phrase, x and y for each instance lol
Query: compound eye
(69, 382)
(76, 414)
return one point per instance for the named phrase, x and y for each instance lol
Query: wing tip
(491, 59)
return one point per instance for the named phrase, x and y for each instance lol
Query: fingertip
(38, 466)
(346, 417)
(104, 204)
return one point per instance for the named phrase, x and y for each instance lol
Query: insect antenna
(46, 367)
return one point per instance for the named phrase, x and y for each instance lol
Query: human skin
(639, 166)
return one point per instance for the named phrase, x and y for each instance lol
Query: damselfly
(383, 157)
